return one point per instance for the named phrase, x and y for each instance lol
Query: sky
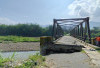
(44, 11)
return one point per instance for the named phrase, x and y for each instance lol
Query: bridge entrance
(74, 26)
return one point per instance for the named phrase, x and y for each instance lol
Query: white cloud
(84, 8)
(7, 21)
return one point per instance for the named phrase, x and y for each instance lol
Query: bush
(34, 61)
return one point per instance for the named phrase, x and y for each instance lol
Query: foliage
(27, 30)
(19, 39)
(4, 60)
(34, 61)
(95, 32)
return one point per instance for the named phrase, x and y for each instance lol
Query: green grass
(19, 39)
(5, 60)
(83, 51)
(34, 61)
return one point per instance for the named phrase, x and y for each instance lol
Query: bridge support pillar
(44, 42)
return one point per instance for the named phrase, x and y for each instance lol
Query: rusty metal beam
(53, 31)
(71, 19)
(88, 29)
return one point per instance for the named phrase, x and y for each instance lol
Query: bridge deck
(89, 49)
(65, 44)
(69, 60)
(68, 40)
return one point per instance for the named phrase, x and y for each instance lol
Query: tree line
(28, 30)
(34, 30)
(95, 32)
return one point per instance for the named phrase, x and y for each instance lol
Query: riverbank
(19, 46)
(33, 61)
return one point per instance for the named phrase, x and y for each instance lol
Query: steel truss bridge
(74, 26)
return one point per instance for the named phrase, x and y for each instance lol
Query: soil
(20, 46)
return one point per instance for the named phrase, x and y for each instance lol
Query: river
(19, 55)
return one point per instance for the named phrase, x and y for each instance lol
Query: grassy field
(19, 39)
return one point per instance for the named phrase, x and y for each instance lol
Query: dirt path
(20, 46)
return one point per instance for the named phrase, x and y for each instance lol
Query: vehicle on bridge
(97, 39)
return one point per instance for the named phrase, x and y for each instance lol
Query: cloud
(7, 21)
(84, 8)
